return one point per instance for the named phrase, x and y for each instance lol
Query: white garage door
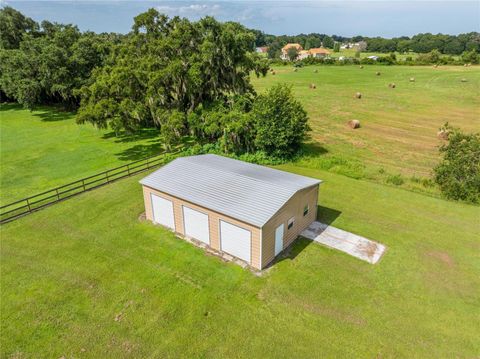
(163, 211)
(235, 240)
(196, 224)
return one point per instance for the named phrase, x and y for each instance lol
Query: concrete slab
(357, 246)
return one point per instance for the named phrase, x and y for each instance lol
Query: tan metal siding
(293, 208)
(213, 218)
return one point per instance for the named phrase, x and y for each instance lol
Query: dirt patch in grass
(442, 257)
(333, 313)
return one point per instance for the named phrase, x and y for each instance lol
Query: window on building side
(290, 222)
(305, 210)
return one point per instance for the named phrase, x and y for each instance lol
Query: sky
(387, 18)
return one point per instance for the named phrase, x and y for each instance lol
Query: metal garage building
(249, 211)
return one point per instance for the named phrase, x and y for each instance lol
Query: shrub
(458, 174)
(471, 57)
(280, 122)
(396, 180)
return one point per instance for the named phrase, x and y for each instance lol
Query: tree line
(420, 43)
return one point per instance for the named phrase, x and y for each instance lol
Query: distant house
(303, 54)
(262, 50)
(284, 55)
(319, 52)
(374, 58)
(350, 45)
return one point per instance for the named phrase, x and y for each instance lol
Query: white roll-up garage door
(235, 241)
(163, 211)
(196, 224)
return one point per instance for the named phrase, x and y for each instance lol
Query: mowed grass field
(398, 126)
(46, 148)
(87, 279)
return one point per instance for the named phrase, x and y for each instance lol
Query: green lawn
(68, 271)
(398, 126)
(46, 148)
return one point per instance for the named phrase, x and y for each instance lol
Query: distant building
(262, 50)
(284, 55)
(350, 45)
(303, 54)
(374, 58)
(318, 52)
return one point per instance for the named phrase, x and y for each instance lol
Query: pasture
(398, 125)
(87, 278)
(46, 148)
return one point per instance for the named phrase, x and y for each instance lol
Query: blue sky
(350, 17)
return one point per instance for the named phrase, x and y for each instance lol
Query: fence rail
(14, 210)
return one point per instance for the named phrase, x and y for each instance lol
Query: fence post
(83, 183)
(58, 196)
(128, 169)
(148, 166)
(28, 204)
(106, 176)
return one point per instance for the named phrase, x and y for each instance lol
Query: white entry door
(163, 211)
(235, 241)
(279, 239)
(196, 224)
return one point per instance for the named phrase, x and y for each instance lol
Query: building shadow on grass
(325, 215)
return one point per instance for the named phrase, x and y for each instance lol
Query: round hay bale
(464, 80)
(412, 79)
(361, 66)
(353, 124)
(378, 73)
(435, 66)
(315, 71)
(295, 69)
(443, 134)
(313, 86)
(464, 65)
(358, 95)
(273, 72)
(391, 85)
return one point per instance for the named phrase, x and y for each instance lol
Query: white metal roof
(241, 190)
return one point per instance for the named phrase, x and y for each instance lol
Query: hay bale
(464, 80)
(313, 86)
(273, 72)
(315, 71)
(358, 95)
(361, 66)
(464, 65)
(391, 85)
(435, 66)
(353, 124)
(412, 79)
(443, 134)
(295, 69)
(377, 73)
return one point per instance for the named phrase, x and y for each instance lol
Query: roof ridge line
(245, 176)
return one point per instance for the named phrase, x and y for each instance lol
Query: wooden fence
(14, 210)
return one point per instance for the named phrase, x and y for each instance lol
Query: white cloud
(192, 10)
